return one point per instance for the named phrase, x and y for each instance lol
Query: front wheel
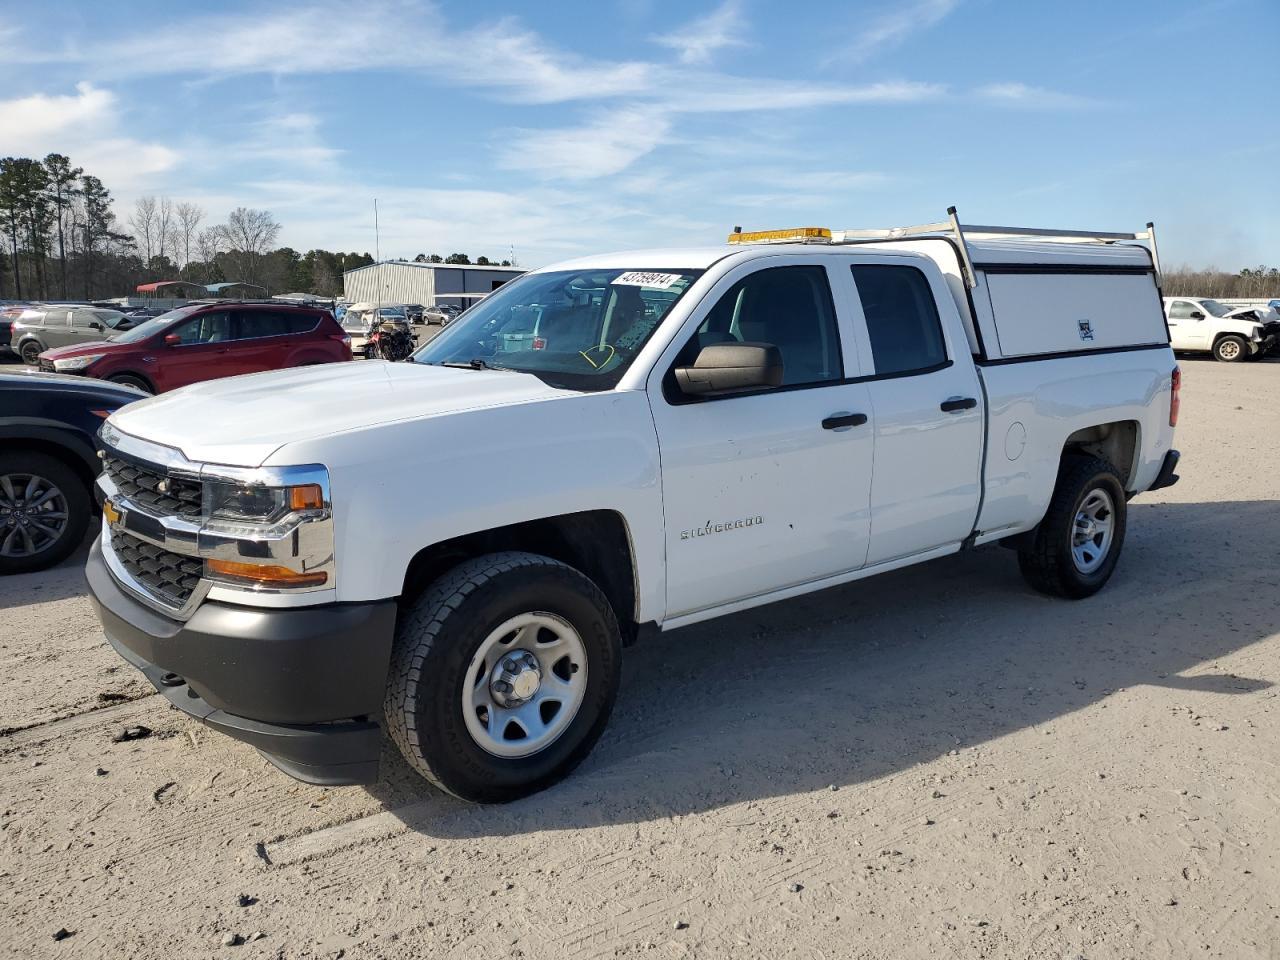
(44, 511)
(503, 676)
(1231, 349)
(129, 380)
(1076, 547)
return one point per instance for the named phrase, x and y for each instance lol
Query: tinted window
(302, 322)
(789, 307)
(1181, 310)
(206, 328)
(255, 324)
(902, 318)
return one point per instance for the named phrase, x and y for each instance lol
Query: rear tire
(1076, 546)
(56, 514)
(442, 705)
(1231, 349)
(30, 353)
(129, 380)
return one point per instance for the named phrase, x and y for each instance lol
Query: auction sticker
(639, 278)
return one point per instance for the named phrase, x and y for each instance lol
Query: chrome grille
(170, 577)
(142, 486)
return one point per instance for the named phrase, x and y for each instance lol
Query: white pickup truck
(692, 432)
(1203, 325)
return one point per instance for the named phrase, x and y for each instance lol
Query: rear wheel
(1076, 546)
(30, 352)
(503, 676)
(1231, 349)
(130, 380)
(44, 511)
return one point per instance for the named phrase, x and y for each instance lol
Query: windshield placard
(642, 278)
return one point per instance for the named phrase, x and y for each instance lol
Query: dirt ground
(933, 763)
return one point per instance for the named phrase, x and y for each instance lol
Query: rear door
(262, 340)
(926, 399)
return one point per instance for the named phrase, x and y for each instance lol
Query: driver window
(789, 307)
(206, 328)
(1181, 310)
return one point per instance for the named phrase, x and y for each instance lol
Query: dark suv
(207, 340)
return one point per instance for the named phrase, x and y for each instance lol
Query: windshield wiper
(473, 364)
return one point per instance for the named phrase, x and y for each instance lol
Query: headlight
(260, 504)
(71, 364)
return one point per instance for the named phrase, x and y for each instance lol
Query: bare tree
(145, 227)
(188, 217)
(249, 234)
(164, 223)
(209, 243)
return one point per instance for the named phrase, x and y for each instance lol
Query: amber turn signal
(306, 497)
(264, 575)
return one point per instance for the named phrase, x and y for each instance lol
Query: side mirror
(172, 339)
(94, 325)
(1197, 315)
(731, 367)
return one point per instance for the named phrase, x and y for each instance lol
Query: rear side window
(902, 318)
(302, 322)
(255, 324)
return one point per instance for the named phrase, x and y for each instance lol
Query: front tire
(44, 511)
(503, 676)
(1231, 349)
(129, 380)
(1076, 546)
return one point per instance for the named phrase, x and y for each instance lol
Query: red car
(205, 341)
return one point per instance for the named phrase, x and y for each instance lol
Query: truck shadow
(870, 679)
(57, 583)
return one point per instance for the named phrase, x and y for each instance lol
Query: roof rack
(951, 227)
(954, 228)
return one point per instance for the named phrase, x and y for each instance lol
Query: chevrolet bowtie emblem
(110, 512)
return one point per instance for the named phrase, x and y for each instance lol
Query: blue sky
(569, 127)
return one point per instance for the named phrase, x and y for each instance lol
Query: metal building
(403, 281)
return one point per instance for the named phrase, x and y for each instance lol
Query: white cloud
(85, 127)
(1028, 97)
(696, 42)
(606, 146)
(890, 29)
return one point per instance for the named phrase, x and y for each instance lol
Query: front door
(1187, 327)
(57, 328)
(928, 413)
(200, 354)
(766, 490)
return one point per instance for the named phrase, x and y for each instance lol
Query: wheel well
(55, 450)
(130, 373)
(1115, 442)
(595, 542)
(1222, 336)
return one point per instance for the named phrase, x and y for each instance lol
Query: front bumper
(304, 684)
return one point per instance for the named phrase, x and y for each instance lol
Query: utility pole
(377, 243)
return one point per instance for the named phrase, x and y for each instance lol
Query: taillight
(539, 343)
(1175, 398)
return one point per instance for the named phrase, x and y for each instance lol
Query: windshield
(393, 313)
(1215, 308)
(578, 329)
(153, 326)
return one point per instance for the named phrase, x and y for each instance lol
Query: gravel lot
(933, 763)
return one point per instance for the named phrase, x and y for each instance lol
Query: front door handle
(956, 404)
(838, 421)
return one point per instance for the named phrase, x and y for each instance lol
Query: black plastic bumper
(1166, 477)
(303, 685)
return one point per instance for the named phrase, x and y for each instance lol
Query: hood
(241, 421)
(80, 349)
(28, 378)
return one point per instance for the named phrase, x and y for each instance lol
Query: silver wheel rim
(33, 514)
(1229, 350)
(1093, 531)
(524, 685)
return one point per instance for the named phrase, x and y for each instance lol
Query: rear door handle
(838, 421)
(956, 404)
